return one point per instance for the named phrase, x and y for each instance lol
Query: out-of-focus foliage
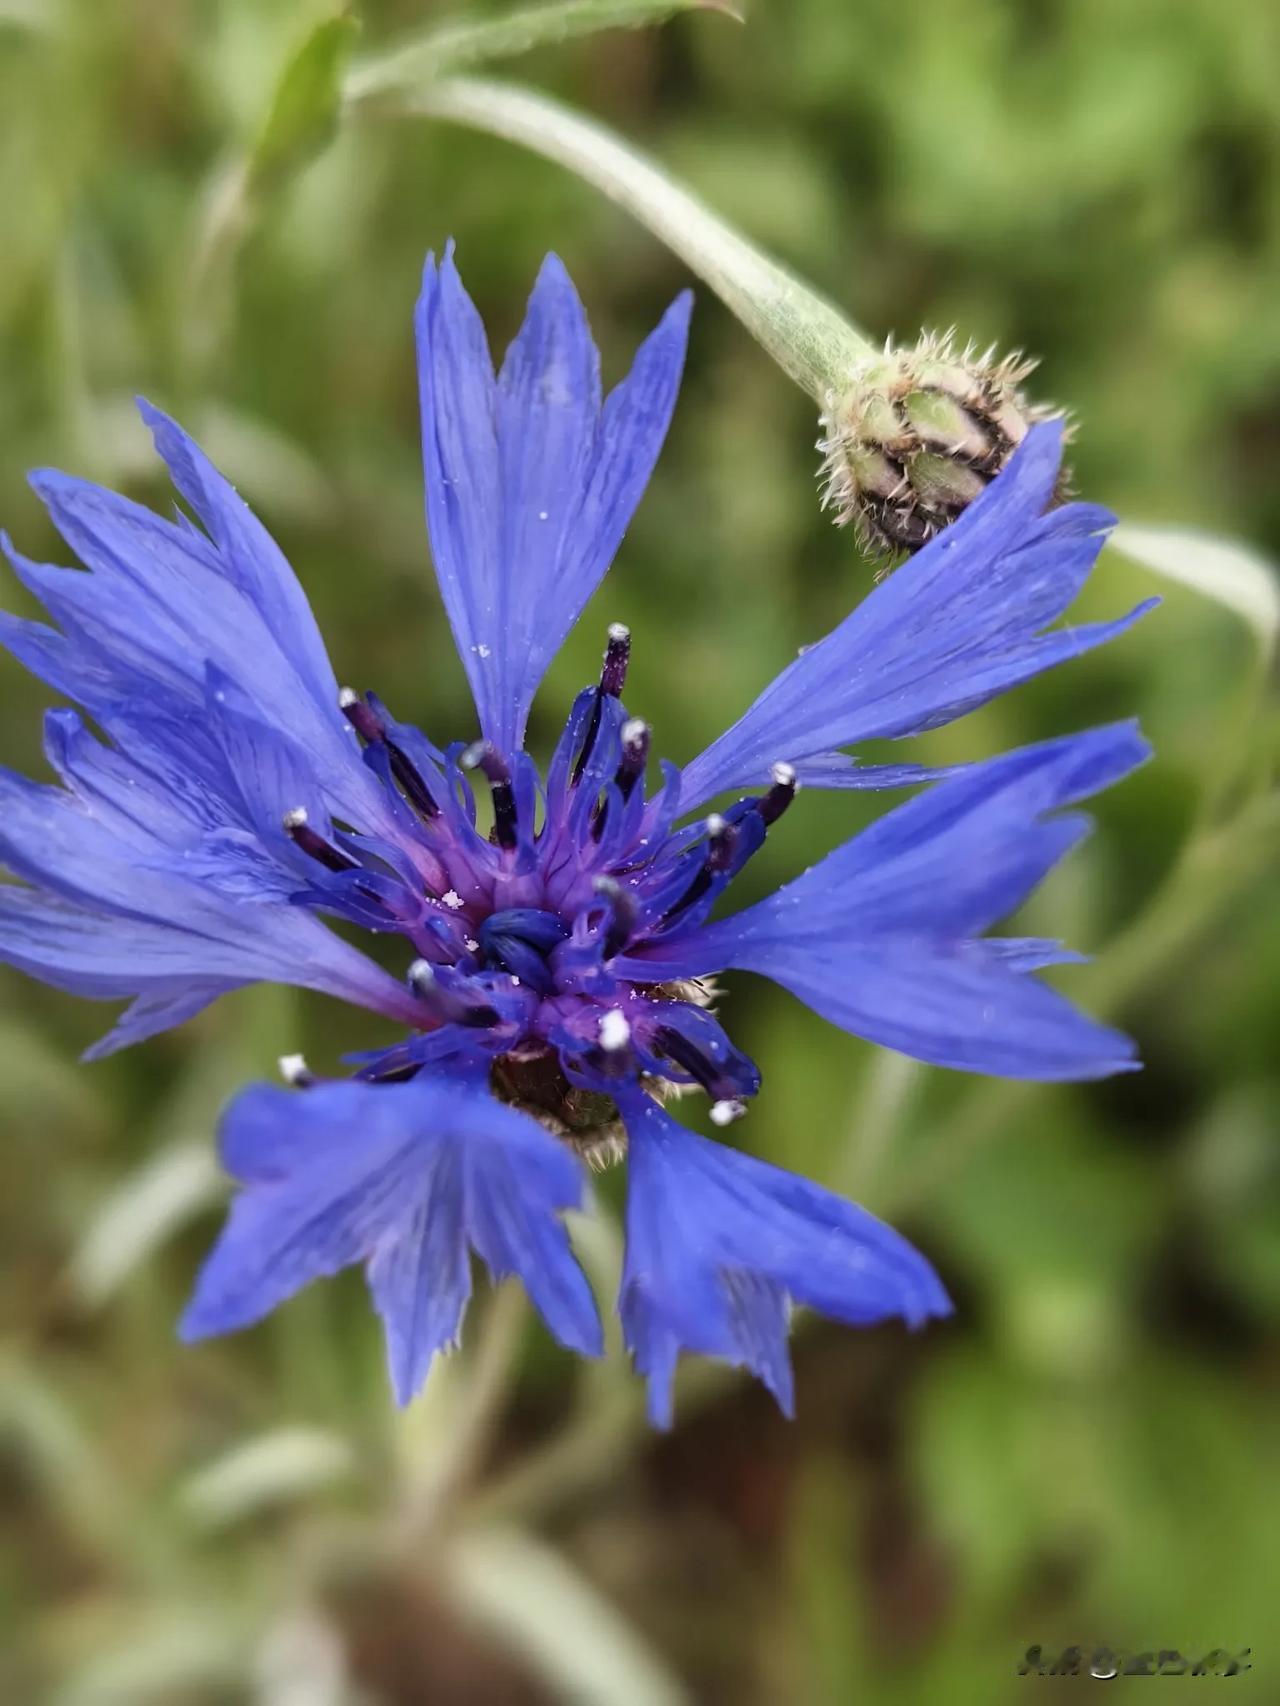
(1083, 1455)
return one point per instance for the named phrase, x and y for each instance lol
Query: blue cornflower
(555, 964)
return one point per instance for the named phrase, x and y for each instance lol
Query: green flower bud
(917, 436)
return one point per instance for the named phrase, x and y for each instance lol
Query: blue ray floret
(557, 929)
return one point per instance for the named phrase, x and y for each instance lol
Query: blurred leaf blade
(145, 1209)
(281, 1465)
(303, 115)
(535, 1600)
(1232, 574)
(452, 47)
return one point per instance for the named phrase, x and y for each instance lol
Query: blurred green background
(1088, 1452)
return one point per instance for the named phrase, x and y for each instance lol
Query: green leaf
(304, 110)
(535, 1602)
(1222, 569)
(168, 1652)
(285, 1464)
(36, 15)
(141, 1214)
(456, 46)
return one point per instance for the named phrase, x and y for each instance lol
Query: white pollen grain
(724, 1113)
(452, 899)
(471, 945)
(615, 1031)
(293, 1068)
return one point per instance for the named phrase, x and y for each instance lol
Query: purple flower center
(529, 937)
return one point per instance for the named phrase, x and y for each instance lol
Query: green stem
(806, 335)
(453, 47)
(438, 1484)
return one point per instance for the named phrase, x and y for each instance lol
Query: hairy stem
(806, 335)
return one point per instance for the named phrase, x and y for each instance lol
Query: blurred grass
(1086, 1453)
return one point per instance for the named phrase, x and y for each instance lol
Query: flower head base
(918, 434)
(555, 928)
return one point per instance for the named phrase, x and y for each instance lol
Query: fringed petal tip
(721, 1245)
(405, 1179)
(975, 613)
(531, 478)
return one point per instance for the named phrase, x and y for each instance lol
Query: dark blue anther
(613, 676)
(314, 846)
(492, 766)
(518, 940)
(373, 732)
(623, 913)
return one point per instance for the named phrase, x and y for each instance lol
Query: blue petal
(719, 1244)
(879, 936)
(248, 552)
(959, 623)
(842, 770)
(420, 1279)
(162, 868)
(128, 642)
(530, 482)
(116, 913)
(404, 1178)
(938, 1004)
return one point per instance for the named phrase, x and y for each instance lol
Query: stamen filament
(295, 1072)
(446, 1005)
(299, 831)
(677, 1047)
(617, 655)
(623, 914)
(635, 756)
(720, 839)
(636, 736)
(613, 675)
(372, 731)
(772, 805)
(485, 758)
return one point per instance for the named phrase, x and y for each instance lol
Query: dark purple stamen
(296, 1073)
(678, 1048)
(623, 914)
(721, 837)
(772, 805)
(362, 716)
(613, 676)
(635, 756)
(617, 654)
(373, 732)
(445, 1004)
(492, 766)
(315, 846)
(719, 850)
